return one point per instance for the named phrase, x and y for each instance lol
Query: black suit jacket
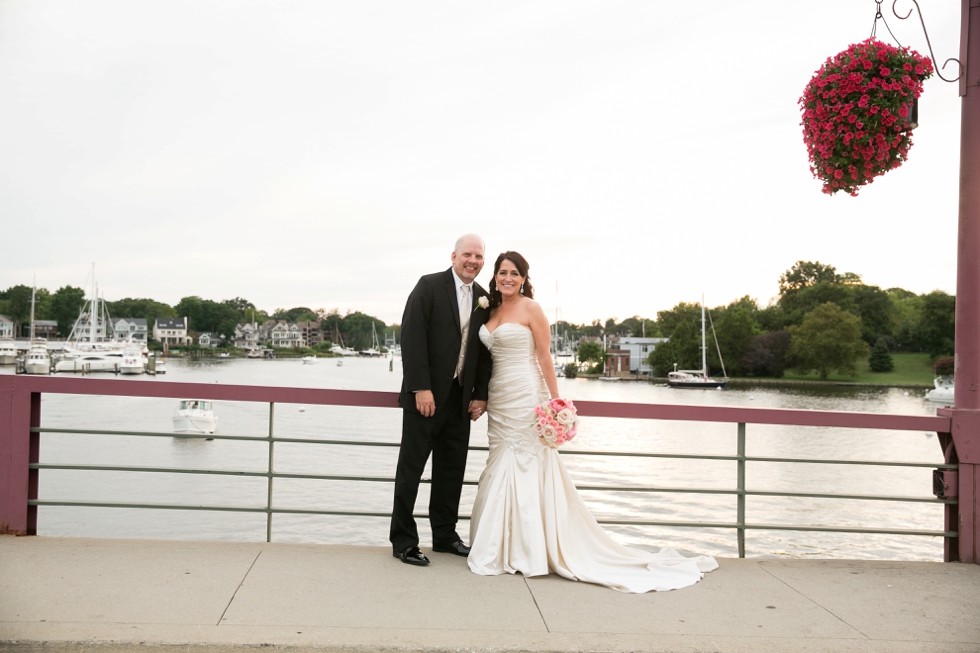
(431, 340)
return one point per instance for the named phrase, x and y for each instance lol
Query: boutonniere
(482, 302)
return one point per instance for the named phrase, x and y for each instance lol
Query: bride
(528, 517)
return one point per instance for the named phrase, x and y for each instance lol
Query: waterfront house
(83, 328)
(6, 327)
(129, 328)
(639, 350)
(44, 329)
(311, 333)
(280, 333)
(247, 336)
(171, 331)
(209, 339)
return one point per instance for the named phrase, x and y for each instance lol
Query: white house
(639, 349)
(282, 334)
(126, 328)
(247, 336)
(209, 339)
(171, 331)
(6, 327)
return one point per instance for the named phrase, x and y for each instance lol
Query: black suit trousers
(446, 435)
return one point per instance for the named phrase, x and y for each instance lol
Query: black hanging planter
(913, 120)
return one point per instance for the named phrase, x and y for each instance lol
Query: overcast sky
(327, 154)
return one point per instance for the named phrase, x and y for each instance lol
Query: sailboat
(38, 361)
(375, 348)
(699, 378)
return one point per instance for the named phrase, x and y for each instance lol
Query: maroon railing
(20, 413)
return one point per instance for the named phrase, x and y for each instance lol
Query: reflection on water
(326, 422)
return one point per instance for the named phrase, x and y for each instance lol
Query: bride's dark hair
(522, 267)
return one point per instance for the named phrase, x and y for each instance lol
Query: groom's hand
(477, 408)
(425, 402)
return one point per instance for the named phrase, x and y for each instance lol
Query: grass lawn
(910, 369)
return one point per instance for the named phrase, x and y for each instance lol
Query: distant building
(247, 336)
(126, 328)
(44, 329)
(639, 350)
(171, 331)
(83, 328)
(281, 334)
(6, 327)
(209, 339)
(617, 362)
(311, 333)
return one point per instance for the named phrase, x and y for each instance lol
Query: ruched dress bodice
(528, 517)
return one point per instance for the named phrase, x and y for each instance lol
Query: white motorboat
(75, 360)
(943, 391)
(8, 352)
(309, 360)
(132, 362)
(699, 378)
(195, 416)
(38, 361)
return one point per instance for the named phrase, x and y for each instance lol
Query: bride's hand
(477, 408)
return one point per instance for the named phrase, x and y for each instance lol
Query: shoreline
(775, 382)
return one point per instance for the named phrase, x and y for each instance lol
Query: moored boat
(8, 352)
(38, 361)
(698, 378)
(195, 416)
(132, 362)
(942, 391)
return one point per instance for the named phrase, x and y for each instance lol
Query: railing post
(272, 444)
(18, 411)
(740, 517)
(34, 456)
(966, 394)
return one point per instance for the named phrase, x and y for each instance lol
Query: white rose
(483, 302)
(565, 416)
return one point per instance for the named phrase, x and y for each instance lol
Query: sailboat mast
(33, 294)
(704, 348)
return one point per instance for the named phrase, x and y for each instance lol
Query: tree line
(822, 321)
(204, 315)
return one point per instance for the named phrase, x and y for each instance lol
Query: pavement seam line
(235, 593)
(535, 599)
(762, 566)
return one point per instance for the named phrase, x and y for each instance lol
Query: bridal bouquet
(555, 422)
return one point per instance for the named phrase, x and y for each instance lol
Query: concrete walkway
(82, 594)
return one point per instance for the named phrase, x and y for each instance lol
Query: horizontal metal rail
(388, 479)
(612, 522)
(568, 452)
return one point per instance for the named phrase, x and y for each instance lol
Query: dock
(122, 595)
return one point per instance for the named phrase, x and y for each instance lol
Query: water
(327, 422)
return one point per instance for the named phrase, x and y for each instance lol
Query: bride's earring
(522, 288)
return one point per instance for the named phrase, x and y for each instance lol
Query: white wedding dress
(528, 517)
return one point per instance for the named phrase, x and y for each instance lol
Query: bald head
(468, 257)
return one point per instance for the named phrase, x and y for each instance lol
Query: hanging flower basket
(857, 113)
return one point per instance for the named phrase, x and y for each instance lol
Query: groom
(445, 373)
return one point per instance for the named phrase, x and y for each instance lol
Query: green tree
(591, 352)
(734, 331)
(876, 310)
(65, 306)
(937, 324)
(804, 274)
(880, 359)
(829, 339)
(149, 309)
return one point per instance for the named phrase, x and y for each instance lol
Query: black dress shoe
(412, 556)
(456, 548)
